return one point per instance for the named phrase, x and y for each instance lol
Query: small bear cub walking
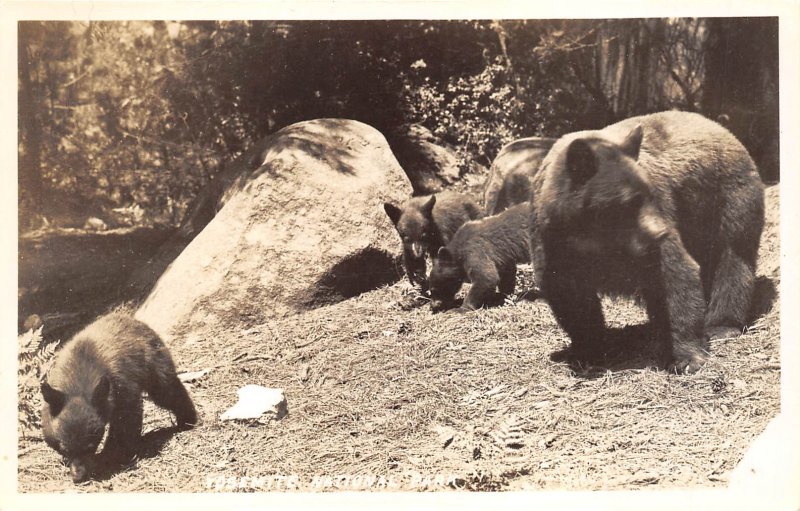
(98, 379)
(485, 252)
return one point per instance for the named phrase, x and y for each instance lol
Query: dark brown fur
(427, 223)
(671, 202)
(98, 379)
(510, 177)
(485, 252)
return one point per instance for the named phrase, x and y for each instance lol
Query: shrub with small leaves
(477, 113)
(35, 359)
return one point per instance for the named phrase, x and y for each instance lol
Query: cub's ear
(581, 163)
(392, 211)
(444, 254)
(101, 392)
(633, 142)
(427, 208)
(54, 398)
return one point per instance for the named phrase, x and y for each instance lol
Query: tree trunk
(741, 66)
(30, 132)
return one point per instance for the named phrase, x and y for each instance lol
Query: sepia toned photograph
(399, 255)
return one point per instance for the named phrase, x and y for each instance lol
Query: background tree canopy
(141, 114)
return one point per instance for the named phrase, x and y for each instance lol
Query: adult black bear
(669, 202)
(98, 379)
(484, 252)
(427, 223)
(509, 180)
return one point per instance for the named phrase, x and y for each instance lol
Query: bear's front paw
(688, 359)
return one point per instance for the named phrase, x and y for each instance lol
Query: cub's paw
(722, 332)
(438, 306)
(688, 359)
(410, 302)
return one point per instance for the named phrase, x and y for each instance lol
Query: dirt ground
(384, 398)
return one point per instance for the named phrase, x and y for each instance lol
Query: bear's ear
(444, 254)
(581, 163)
(101, 392)
(633, 142)
(393, 212)
(427, 208)
(54, 398)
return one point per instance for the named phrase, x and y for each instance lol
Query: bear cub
(427, 223)
(97, 379)
(669, 202)
(484, 252)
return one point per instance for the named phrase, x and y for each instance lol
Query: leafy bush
(34, 361)
(478, 113)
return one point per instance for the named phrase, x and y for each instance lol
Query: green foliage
(478, 113)
(34, 360)
(141, 114)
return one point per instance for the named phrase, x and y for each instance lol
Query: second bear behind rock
(512, 171)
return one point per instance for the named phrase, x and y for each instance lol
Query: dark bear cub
(98, 379)
(484, 252)
(427, 223)
(670, 203)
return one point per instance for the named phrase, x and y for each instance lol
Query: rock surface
(430, 163)
(300, 224)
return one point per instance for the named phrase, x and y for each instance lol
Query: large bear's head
(599, 200)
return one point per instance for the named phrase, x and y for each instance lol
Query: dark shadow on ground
(367, 270)
(67, 278)
(628, 347)
(151, 445)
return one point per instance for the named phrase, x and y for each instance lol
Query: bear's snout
(651, 225)
(79, 470)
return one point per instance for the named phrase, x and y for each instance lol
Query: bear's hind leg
(731, 291)
(733, 280)
(508, 280)
(485, 279)
(168, 392)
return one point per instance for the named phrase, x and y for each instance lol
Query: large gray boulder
(300, 224)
